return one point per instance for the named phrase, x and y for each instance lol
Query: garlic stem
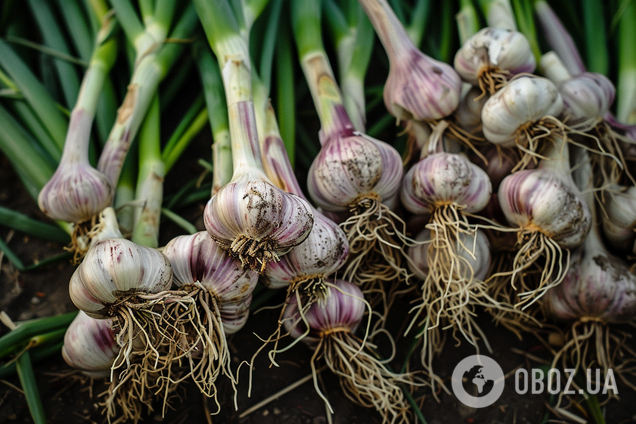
(558, 38)
(151, 66)
(554, 69)
(390, 30)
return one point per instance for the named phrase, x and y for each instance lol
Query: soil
(71, 398)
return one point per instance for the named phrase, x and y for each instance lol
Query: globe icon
(474, 377)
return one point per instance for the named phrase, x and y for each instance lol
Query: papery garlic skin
(421, 88)
(597, 286)
(587, 96)
(343, 307)
(443, 179)
(476, 255)
(541, 200)
(322, 253)
(251, 211)
(350, 167)
(115, 268)
(89, 345)
(494, 49)
(197, 258)
(520, 103)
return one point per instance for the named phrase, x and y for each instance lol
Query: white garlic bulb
(197, 258)
(512, 110)
(445, 178)
(89, 345)
(494, 51)
(587, 96)
(468, 112)
(116, 269)
(474, 249)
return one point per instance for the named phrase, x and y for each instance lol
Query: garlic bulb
(322, 253)
(351, 168)
(509, 115)
(540, 200)
(619, 219)
(418, 87)
(76, 192)
(501, 162)
(445, 178)
(89, 345)
(255, 221)
(587, 96)
(492, 56)
(474, 249)
(115, 271)
(328, 327)
(197, 258)
(598, 286)
(249, 217)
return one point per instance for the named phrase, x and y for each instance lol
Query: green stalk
(318, 73)
(150, 180)
(25, 331)
(232, 52)
(181, 222)
(77, 26)
(125, 194)
(195, 109)
(28, 119)
(38, 354)
(419, 18)
(595, 36)
(35, 94)
(199, 122)
(354, 45)
(13, 258)
(148, 72)
(217, 115)
(52, 36)
(626, 88)
(525, 19)
(147, 9)
(30, 387)
(498, 14)
(24, 157)
(467, 20)
(252, 9)
(127, 18)
(446, 43)
(23, 223)
(286, 104)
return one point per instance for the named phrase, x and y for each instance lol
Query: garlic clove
(114, 269)
(89, 345)
(492, 56)
(255, 221)
(518, 105)
(468, 113)
(442, 179)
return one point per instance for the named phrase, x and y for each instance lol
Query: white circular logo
(481, 376)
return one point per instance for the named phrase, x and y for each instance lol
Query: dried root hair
(83, 234)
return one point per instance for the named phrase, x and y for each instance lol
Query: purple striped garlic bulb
(198, 259)
(443, 179)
